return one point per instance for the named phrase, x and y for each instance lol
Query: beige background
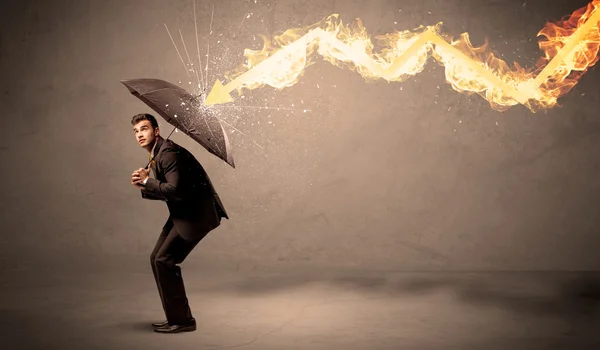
(410, 176)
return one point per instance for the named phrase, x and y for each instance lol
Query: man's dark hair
(144, 116)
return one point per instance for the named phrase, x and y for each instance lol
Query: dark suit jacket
(194, 206)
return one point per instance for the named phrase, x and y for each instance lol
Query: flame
(564, 77)
(570, 48)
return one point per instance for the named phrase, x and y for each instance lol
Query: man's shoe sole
(190, 328)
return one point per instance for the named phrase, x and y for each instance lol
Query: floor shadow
(573, 298)
(138, 326)
(538, 294)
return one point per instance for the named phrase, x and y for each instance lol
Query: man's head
(145, 129)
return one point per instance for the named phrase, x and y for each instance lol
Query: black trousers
(170, 251)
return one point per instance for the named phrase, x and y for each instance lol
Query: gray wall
(399, 176)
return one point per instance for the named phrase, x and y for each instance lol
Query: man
(194, 207)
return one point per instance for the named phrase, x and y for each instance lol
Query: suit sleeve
(147, 195)
(171, 189)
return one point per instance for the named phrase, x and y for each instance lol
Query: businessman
(194, 210)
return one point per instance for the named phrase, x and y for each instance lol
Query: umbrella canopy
(185, 112)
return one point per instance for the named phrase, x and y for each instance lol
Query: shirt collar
(153, 147)
(157, 143)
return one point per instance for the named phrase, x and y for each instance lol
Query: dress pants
(170, 250)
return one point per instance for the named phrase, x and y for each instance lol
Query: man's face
(144, 134)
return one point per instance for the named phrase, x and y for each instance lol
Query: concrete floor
(344, 309)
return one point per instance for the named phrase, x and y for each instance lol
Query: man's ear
(156, 131)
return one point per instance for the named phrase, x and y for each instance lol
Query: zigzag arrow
(522, 94)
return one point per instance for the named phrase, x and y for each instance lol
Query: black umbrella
(185, 112)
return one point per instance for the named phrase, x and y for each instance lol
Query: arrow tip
(218, 94)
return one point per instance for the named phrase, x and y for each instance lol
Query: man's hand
(138, 177)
